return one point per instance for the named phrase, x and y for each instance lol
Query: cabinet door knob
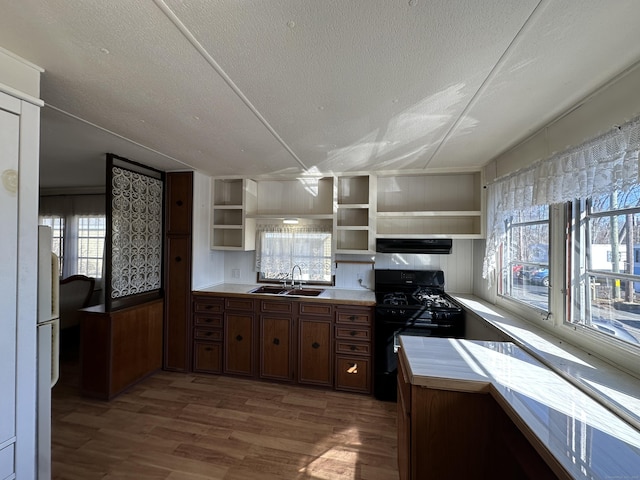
(178, 259)
(208, 349)
(315, 345)
(179, 203)
(239, 338)
(276, 341)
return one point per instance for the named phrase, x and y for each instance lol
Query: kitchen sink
(306, 292)
(277, 290)
(271, 289)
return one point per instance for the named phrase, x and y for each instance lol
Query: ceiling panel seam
(212, 62)
(75, 117)
(533, 16)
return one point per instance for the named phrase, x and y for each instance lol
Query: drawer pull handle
(315, 345)
(208, 320)
(353, 318)
(353, 348)
(208, 334)
(353, 333)
(276, 341)
(179, 203)
(208, 307)
(239, 338)
(353, 369)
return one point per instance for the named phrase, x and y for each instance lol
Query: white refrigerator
(48, 346)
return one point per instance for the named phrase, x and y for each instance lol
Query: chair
(75, 293)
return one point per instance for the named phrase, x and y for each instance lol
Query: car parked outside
(540, 277)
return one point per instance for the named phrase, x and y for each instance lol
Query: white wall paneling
(208, 265)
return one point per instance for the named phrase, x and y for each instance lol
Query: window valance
(606, 163)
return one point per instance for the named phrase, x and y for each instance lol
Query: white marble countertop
(616, 389)
(335, 295)
(587, 439)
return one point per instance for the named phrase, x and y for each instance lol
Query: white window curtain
(289, 247)
(70, 207)
(604, 164)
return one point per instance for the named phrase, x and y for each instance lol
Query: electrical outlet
(235, 273)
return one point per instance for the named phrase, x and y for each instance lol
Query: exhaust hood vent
(439, 246)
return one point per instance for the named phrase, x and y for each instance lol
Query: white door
(9, 154)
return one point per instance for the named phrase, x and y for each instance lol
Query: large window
(525, 258)
(91, 235)
(78, 227)
(281, 248)
(606, 274)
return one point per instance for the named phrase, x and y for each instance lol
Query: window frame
(523, 308)
(287, 276)
(578, 241)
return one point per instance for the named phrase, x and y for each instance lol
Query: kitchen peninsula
(470, 409)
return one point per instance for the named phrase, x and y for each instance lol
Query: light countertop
(362, 297)
(587, 439)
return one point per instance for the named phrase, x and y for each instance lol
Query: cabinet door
(179, 198)
(238, 343)
(353, 373)
(315, 352)
(177, 303)
(275, 348)
(9, 154)
(207, 357)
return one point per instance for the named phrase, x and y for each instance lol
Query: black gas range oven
(409, 302)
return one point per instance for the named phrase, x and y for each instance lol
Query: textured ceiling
(264, 87)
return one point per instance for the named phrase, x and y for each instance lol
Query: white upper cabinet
(233, 202)
(354, 219)
(442, 205)
(362, 207)
(305, 197)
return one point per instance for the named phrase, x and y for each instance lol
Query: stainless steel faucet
(293, 278)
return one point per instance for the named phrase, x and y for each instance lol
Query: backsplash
(239, 267)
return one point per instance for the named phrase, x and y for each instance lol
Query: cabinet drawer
(238, 304)
(278, 306)
(208, 320)
(207, 357)
(202, 305)
(207, 334)
(353, 348)
(353, 333)
(354, 318)
(315, 309)
(353, 374)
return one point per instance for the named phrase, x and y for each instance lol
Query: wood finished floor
(193, 427)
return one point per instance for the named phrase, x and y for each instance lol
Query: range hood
(438, 246)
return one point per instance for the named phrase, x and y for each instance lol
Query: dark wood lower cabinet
(315, 352)
(284, 340)
(276, 360)
(238, 343)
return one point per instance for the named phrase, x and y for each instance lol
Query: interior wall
(207, 264)
(239, 267)
(613, 104)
